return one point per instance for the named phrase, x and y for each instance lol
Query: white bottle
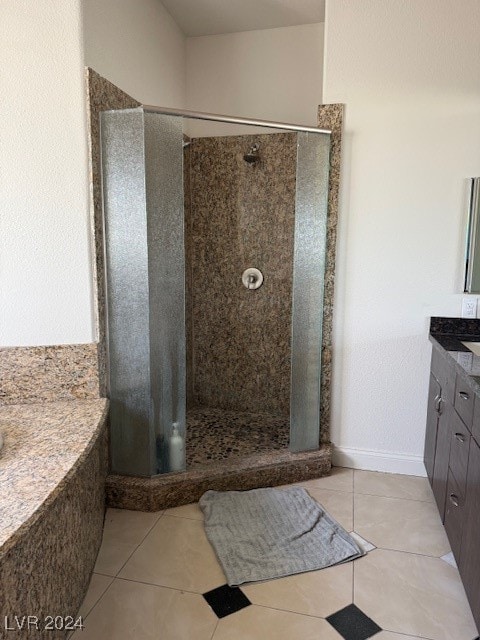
(176, 450)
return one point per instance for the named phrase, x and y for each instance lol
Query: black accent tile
(352, 624)
(226, 600)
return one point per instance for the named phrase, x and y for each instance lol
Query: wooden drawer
(470, 554)
(444, 372)
(464, 401)
(476, 420)
(459, 447)
(454, 515)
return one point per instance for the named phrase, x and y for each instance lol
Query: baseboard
(409, 465)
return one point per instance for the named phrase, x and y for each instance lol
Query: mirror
(472, 253)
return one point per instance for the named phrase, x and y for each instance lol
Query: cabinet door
(476, 419)
(432, 425)
(454, 515)
(470, 553)
(442, 455)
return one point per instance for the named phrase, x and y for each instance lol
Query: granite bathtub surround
(267, 469)
(241, 215)
(48, 374)
(101, 95)
(52, 473)
(330, 116)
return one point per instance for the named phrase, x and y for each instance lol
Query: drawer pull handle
(460, 437)
(438, 404)
(454, 500)
(464, 395)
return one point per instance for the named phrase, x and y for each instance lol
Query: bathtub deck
(44, 444)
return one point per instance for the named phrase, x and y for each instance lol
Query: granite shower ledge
(45, 445)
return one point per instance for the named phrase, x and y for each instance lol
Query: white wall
(137, 45)
(409, 73)
(271, 74)
(45, 254)
(45, 275)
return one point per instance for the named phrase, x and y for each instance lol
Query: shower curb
(176, 489)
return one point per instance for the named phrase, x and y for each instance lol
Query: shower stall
(215, 247)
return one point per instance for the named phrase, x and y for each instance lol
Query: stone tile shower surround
(240, 215)
(145, 493)
(102, 94)
(330, 116)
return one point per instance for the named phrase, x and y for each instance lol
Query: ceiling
(211, 17)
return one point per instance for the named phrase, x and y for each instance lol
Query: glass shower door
(184, 220)
(142, 164)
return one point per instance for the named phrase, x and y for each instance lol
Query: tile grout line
(98, 601)
(164, 586)
(296, 613)
(410, 553)
(377, 495)
(135, 549)
(216, 626)
(116, 575)
(408, 635)
(142, 541)
(149, 584)
(173, 515)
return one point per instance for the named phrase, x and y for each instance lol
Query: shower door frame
(308, 280)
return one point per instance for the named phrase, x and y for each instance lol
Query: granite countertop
(44, 445)
(449, 334)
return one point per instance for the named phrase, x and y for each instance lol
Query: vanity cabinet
(470, 553)
(452, 461)
(439, 426)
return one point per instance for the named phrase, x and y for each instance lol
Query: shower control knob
(252, 278)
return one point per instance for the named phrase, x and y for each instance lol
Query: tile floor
(214, 435)
(157, 577)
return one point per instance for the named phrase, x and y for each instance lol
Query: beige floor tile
(112, 557)
(393, 485)
(122, 525)
(97, 587)
(338, 504)
(387, 635)
(177, 554)
(123, 531)
(146, 612)
(191, 511)
(402, 525)
(259, 623)
(316, 593)
(341, 479)
(413, 594)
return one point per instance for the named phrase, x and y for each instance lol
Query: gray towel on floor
(271, 533)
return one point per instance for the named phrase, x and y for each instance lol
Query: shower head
(252, 156)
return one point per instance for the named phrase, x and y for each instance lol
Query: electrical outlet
(465, 358)
(469, 307)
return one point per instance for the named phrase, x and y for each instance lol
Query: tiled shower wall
(238, 216)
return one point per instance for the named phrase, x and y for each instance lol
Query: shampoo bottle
(176, 449)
